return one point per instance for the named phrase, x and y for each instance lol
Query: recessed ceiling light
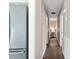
(53, 13)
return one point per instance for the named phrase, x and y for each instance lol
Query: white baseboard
(43, 53)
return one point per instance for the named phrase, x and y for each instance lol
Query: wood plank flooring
(53, 51)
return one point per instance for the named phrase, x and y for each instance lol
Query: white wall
(66, 29)
(32, 20)
(44, 19)
(41, 30)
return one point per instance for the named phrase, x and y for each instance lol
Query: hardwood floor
(53, 51)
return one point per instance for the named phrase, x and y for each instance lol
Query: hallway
(53, 50)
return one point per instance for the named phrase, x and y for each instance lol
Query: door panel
(18, 20)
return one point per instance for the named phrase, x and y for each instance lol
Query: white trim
(43, 53)
(19, 3)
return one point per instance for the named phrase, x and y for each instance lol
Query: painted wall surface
(44, 19)
(40, 30)
(67, 30)
(32, 20)
(65, 42)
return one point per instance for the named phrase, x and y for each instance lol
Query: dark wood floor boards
(53, 51)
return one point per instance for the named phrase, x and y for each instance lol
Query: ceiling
(53, 6)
